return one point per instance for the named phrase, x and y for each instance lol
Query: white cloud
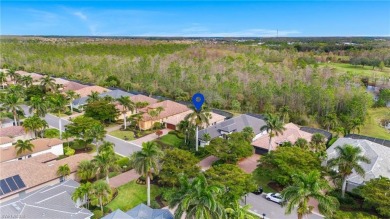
(81, 15)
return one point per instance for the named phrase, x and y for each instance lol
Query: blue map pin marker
(198, 100)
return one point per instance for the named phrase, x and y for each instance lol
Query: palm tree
(318, 142)
(58, 102)
(197, 199)
(38, 106)
(302, 143)
(48, 83)
(155, 112)
(12, 74)
(198, 118)
(3, 78)
(127, 105)
(273, 126)
(139, 105)
(248, 134)
(106, 147)
(23, 146)
(71, 95)
(147, 161)
(27, 80)
(94, 96)
(63, 171)
(307, 186)
(136, 118)
(86, 170)
(105, 161)
(284, 111)
(236, 211)
(81, 193)
(184, 127)
(34, 124)
(12, 104)
(330, 121)
(100, 193)
(348, 159)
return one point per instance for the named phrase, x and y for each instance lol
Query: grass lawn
(172, 139)
(130, 195)
(122, 134)
(372, 127)
(358, 70)
(78, 147)
(263, 182)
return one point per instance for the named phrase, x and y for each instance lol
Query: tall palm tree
(100, 193)
(155, 112)
(3, 78)
(106, 147)
(197, 199)
(346, 162)
(94, 96)
(105, 161)
(274, 127)
(26, 80)
(127, 105)
(304, 187)
(86, 170)
(58, 102)
(23, 146)
(71, 95)
(147, 161)
(12, 104)
(236, 211)
(35, 124)
(184, 127)
(48, 84)
(198, 118)
(139, 105)
(12, 74)
(284, 111)
(136, 118)
(38, 106)
(82, 192)
(330, 121)
(63, 171)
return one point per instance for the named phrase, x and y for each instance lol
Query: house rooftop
(34, 173)
(379, 156)
(175, 120)
(115, 94)
(71, 85)
(170, 108)
(235, 124)
(12, 131)
(5, 140)
(142, 98)
(141, 211)
(311, 130)
(84, 92)
(48, 202)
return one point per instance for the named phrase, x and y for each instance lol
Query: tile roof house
(290, 134)
(235, 124)
(5, 141)
(15, 132)
(41, 146)
(71, 85)
(84, 92)
(49, 202)
(136, 99)
(6, 122)
(38, 171)
(141, 211)
(379, 156)
(173, 121)
(115, 94)
(170, 108)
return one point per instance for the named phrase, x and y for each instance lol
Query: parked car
(275, 197)
(259, 191)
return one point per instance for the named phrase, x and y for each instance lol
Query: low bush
(97, 214)
(68, 151)
(51, 133)
(124, 163)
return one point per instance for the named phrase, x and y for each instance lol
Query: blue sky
(196, 18)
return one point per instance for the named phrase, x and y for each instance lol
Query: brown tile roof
(170, 108)
(61, 81)
(40, 144)
(34, 173)
(291, 134)
(73, 86)
(83, 92)
(143, 98)
(174, 120)
(43, 158)
(5, 140)
(34, 76)
(12, 131)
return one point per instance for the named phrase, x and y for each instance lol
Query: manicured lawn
(372, 127)
(172, 139)
(78, 147)
(131, 195)
(358, 70)
(123, 134)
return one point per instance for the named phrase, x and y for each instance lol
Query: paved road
(272, 210)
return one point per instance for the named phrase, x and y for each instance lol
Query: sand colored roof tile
(34, 173)
(176, 119)
(170, 108)
(83, 92)
(143, 98)
(71, 85)
(34, 76)
(61, 81)
(291, 134)
(40, 144)
(5, 140)
(12, 131)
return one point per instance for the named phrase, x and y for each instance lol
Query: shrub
(51, 133)
(124, 163)
(68, 151)
(97, 214)
(68, 113)
(154, 204)
(157, 125)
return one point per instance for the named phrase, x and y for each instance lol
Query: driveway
(272, 210)
(149, 137)
(205, 164)
(249, 164)
(123, 178)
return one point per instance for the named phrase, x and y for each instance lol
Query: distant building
(141, 211)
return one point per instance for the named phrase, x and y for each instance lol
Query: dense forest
(297, 77)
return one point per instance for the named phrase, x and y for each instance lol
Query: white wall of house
(56, 149)
(6, 145)
(259, 135)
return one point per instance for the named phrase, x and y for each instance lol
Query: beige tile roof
(291, 134)
(61, 81)
(176, 119)
(83, 92)
(12, 131)
(34, 76)
(73, 86)
(5, 140)
(40, 144)
(143, 98)
(170, 108)
(34, 173)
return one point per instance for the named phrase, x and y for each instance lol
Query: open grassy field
(359, 70)
(372, 127)
(130, 195)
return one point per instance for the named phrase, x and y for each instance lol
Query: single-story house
(170, 108)
(135, 98)
(235, 124)
(291, 134)
(41, 146)
(5, 142)
(311, 130)
(84, 92)
(15, 132)
(6, 122)
(115, 94)
(36, 77)
(141, 211)
(35, 173)
(52, 202)
(71, 85)
(173, 121)
(379, 156)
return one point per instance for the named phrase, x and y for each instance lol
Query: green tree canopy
(102, 111)
(81, 127)
(376, 193)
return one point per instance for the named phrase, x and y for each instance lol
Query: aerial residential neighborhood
(195, 109)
